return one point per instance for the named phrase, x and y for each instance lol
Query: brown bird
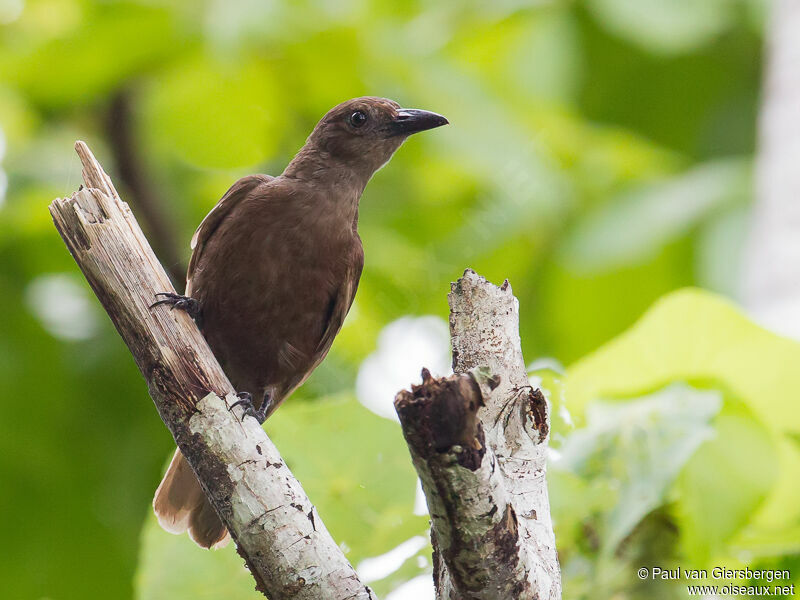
(274, 269)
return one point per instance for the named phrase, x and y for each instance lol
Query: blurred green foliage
(599, 157)
(718, 458)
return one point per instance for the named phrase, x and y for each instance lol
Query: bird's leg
(185, 303)
(246, 400)
(266, 404)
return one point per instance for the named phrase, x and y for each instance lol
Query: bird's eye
(358, 118)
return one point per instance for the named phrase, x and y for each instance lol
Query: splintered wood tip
(83, 152)
(93, 174)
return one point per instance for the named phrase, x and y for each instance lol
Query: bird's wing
(235, 194)
(342, 301)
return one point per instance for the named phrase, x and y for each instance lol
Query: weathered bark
(478, 440)
(276, 528)
(770, 286)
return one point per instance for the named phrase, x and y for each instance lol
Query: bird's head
(363, 133)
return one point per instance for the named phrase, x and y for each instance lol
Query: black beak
(412, 120)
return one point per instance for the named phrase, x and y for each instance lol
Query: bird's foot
(185, 303)
(246, 400)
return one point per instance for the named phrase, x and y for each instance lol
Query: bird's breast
(268, 288)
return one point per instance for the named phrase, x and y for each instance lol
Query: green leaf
(638, 446)
(775, 528)
(692, 335)
(724, 483)
(742, 484)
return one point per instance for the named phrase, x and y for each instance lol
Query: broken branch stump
(478, 440)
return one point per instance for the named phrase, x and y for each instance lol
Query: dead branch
(276, 528)
(478, 440)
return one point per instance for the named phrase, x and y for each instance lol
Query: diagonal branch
(276, 528)
(478, 440)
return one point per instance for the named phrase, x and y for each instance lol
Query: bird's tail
(181, 505)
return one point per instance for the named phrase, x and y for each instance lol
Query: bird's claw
(246, 400)
(184, 303)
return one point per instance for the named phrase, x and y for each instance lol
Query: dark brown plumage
(274, 270)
